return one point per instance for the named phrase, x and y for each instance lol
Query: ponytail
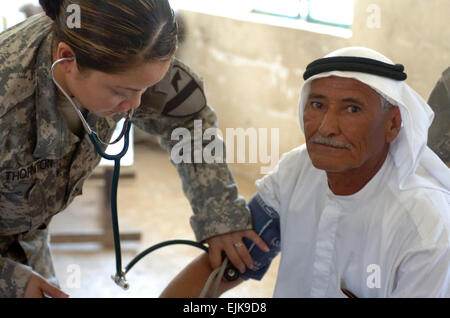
(51, 7)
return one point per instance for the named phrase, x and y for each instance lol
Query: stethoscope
(230, 273)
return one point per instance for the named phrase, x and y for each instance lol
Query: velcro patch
(185, 96)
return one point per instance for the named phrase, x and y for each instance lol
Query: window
(332, 12)
(332, 17)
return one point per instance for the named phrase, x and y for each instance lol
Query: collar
(352, 203)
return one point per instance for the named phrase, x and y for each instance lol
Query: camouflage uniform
(43, 165)
(439, 133)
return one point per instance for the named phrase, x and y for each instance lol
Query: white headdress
(415, 161)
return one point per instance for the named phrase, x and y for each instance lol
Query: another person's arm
(221, 217)
(190, 281)
(424, 272)
(439, 132)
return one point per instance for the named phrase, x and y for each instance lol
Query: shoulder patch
(185, 94)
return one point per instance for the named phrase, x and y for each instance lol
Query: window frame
(307, 18)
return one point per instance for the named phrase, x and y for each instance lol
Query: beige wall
(253, 72)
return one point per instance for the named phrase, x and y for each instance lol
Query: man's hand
(37, 287)
(232, 245)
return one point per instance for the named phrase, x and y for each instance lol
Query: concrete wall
(253, 72)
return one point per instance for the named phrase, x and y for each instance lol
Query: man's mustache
(329, 142)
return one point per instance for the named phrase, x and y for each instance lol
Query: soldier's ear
(65, 51)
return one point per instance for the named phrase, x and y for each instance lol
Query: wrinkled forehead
(364, 82)
(334, 85)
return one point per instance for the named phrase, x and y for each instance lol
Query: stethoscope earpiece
(83, 120)
(65, 59)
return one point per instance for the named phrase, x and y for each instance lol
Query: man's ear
(64, 51)
(393, 123)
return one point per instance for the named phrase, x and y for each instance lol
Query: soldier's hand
(233, 246)
(37, 287)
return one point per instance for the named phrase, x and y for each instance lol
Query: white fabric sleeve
(424, 273)
(272, 186)
(268, 189)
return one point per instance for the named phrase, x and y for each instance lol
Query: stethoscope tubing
(153, 248)
(86, 126)
(119, 277)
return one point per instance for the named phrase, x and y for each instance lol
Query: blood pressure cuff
(266, 223)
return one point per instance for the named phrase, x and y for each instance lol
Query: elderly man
(363, 209)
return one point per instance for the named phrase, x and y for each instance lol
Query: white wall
(10, 14)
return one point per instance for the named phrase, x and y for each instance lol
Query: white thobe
(378, 242)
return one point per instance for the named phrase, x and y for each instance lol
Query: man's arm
(190, 281)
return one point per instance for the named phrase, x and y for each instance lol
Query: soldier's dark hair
(116, 35)
(51, 7)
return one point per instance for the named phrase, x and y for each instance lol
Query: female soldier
(121, 58)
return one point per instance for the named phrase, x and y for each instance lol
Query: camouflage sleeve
(209, 187)
(14, 278)
(439, 132)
